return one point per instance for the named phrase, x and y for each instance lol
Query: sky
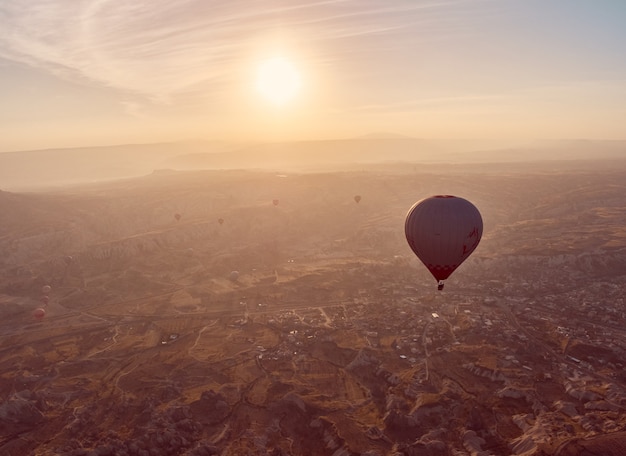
(100, 72)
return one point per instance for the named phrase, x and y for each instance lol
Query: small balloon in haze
(39, 313)
(46, 289)
(234, 276)
(220, 221)
(357, 198)
(45, 300)
(68, 260)
(275, 202)
(443, 231)
(177, 216)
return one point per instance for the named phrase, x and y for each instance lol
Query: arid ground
(330, 338)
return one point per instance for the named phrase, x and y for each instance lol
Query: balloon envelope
(46, 289)
(39, 313)
(234, 275)
(443, 231)
(220, 221)
(357, 198)
(177, 217)
(275, 202)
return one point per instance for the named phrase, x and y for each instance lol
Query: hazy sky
(91, 72)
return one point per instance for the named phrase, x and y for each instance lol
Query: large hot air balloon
(177, 216)
(443, 231)
(357, 198)
(275, 202)
(234, 276)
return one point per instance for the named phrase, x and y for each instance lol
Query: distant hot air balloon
(46, 289)
(357, 198)
(177, 216)
(275, 202)
(39, 313)
(68, 260)
(220, 221)
(234, 275)
(45, 300)
(443, 231)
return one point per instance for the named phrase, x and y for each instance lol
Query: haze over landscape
(202, 228)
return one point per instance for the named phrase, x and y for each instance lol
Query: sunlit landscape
(312, 228)
(330, 336)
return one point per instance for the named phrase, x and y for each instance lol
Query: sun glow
(278, 81)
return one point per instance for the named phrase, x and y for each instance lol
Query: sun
(278, 81)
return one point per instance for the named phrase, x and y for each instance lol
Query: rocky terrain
(278, 316)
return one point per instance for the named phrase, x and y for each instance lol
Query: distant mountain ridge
(54, 167)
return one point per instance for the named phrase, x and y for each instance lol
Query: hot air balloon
(45, 300)
(39, 313)
(275, 202)
(234, 275)
(46, 289)
(177, 216)
(220, 221)
(357, 198)
(68, 260)
(443, 231)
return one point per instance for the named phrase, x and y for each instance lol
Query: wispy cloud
(159, 48)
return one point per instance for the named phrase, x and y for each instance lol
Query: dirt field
(324, 342)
